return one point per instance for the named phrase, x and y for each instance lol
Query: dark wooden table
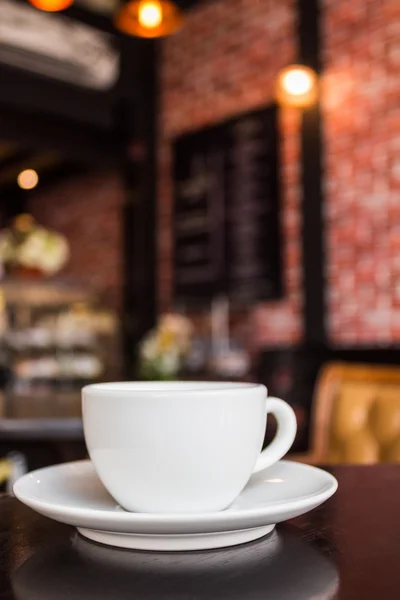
(348, 549)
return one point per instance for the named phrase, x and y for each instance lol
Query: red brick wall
(86, 209)
(361, 104)
(224, 61)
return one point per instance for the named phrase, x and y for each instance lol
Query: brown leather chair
(355, 415)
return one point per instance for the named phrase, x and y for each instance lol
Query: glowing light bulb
(297, 85)
(51, 5)
(150, 14)
(149, 18)
(297, 82)
(28, 179)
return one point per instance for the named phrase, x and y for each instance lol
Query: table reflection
(279, 566)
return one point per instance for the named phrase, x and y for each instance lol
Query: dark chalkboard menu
(226, 211)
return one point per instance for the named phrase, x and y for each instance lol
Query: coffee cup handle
(285, 435)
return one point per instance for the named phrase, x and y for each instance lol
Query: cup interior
(167, 386)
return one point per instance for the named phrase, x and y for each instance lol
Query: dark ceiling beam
(84, 144)
(21, 90)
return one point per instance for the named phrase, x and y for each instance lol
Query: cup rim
(168, 387)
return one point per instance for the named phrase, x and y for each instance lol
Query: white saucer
(72, 493)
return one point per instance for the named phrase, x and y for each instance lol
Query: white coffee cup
(169, 447)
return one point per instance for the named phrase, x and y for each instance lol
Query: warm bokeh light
(51, 5)
(150, 13)
(297, 82)
(149, 18)
(297, 85)
(28, 179)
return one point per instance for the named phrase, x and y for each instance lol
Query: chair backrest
(356, 414)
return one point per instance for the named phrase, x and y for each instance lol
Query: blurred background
(201, 189)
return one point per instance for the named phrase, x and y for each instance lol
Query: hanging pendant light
(149, 18)
(51, 5)
(28, 179)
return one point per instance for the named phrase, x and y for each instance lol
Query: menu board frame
(226, 214)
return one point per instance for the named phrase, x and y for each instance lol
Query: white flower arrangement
(30, 246)
(162, 351)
